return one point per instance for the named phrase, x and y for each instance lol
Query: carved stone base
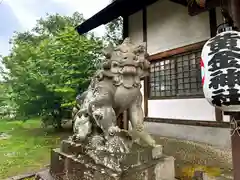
(139, 164)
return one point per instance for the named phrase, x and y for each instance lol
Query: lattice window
(176, 76)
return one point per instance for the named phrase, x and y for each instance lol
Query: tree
(114, 31)
(49, 65)
(7, 107)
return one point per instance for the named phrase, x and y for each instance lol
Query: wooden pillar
(218, 115)
(213, 22)
(125, 120)
(236, 155)
(235, 11)
(125, 27)
(146, 79)
(213, 32)
(235, 146)
(235, 117)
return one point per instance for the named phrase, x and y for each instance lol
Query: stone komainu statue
(114, 89)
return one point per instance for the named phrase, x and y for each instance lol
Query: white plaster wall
(191, 109)
(167, 30)
(219, 137)
(169, 26)
(136, 27)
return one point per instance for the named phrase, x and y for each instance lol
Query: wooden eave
(127, 7)
(111, 12)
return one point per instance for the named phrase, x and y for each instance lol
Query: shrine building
(175, 32)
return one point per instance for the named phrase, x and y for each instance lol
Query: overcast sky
(20, 15)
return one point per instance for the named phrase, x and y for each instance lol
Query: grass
(27, 149)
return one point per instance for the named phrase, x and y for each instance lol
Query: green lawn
(27, 149)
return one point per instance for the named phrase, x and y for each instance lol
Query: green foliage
(7, 107)
(114, 31)
(50, 65)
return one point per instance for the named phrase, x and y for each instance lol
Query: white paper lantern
(220, 65)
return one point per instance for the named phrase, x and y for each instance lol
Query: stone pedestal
(70, 162)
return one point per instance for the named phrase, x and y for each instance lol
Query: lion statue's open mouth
(128, 70)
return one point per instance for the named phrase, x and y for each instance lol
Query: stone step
(44, 175)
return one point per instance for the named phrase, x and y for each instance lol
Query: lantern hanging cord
(222, 9)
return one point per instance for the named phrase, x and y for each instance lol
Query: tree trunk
(58, 119)
(59, 124)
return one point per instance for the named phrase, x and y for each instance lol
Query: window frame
(194, 48)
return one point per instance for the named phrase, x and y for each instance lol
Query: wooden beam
(195, 9)
(189, 122)
(184, 96)
(176, 51)
(111, 12)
